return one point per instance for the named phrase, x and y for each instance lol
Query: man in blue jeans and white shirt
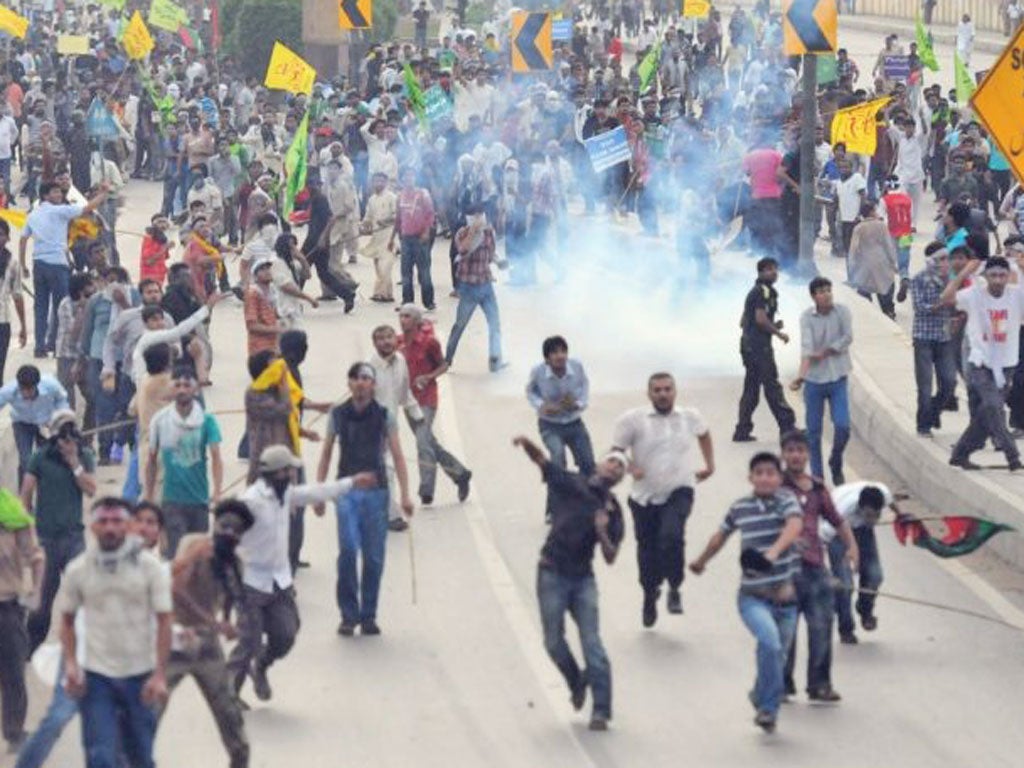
(364, 431)
(126, 594)
(585, 514)
(559, 391)
(826, 332)
(47, 225)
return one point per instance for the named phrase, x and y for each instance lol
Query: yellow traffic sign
(696, 9)
(531, 42)
(999, 103)
(809, 26)
(355, 14)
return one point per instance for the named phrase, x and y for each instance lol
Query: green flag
(295, 164)
(649, 66)
(925, 52)
(415, 93)
(965, 86)
(827, 70)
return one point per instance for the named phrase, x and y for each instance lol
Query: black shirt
(362, 437)
(764, 297)
(574, 502)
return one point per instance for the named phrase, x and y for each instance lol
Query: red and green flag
(963, 534)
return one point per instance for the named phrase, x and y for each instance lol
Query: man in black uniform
(759, 325)
(584, 513)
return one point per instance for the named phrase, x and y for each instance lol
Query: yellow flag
(696, 9)
(287, 71)
(856, 127)
(82, 228)
(164, 14)
(72, 45)
(137, 41)
(14, 217)
(12, 23)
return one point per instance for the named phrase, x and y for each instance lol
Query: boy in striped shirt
(769, 521)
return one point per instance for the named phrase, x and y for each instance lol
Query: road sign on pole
(809, 26)
(355, 14)
(531, 42)
(99, 123)
(999, 103)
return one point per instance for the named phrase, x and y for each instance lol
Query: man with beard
(584, 513)
(206, 585)
(268, 595)
(125, 592)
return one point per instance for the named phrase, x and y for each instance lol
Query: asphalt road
(459, 676)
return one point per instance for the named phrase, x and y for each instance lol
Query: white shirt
(993, 326)
(264, 547)
(8, 135)
(392, 390)
(846, 500)
(848, 194)
(964, 37)
(662, 445)
(910, 161)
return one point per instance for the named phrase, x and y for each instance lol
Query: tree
(257, 24)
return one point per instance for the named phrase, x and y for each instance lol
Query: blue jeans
(50, 283)
(815, 600)
(362, 526)
(416, 254)
(940, 357)
(869, 573)
(815, 396)
(558, 594)
(903, 261)
(773, 625)
(60, 551)
(574, 436)
(5, 173)
(62, 710)
(113, 715)
(472, 296)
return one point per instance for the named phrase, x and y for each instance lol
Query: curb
(920, 463)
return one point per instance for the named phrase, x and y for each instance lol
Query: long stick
(938, 606)
(412, 562)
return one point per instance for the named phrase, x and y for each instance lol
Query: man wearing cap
(34, 400)
(126, 594)
(262, 325)
(270, 618)
(206, 584)
(426, 364)
(56, 478)
(365, 432)
(584, 514)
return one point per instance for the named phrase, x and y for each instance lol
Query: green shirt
(58, 507)
(182, 445)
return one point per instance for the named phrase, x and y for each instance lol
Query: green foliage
(385, 18)
(257, 24)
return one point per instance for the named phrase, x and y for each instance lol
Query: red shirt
(422, 355)
(897, 211)
(153, 260)
(761, 165)
(415, 212)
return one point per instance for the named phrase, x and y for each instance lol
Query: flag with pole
(925, 51)
(963, 534)
(415, 93)
(295, 165)
(965, 86)
(649, 66)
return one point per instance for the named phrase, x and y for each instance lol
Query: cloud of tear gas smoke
(629, 305)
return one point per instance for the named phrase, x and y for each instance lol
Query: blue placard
(99, 123)
(561, 29)
(608, 149)
(896, 67)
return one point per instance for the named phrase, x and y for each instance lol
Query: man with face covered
(270, 618)
(584, 514)
(206, 585)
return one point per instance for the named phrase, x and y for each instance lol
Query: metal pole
(808, 123)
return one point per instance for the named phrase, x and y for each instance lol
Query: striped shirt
(760, 521)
